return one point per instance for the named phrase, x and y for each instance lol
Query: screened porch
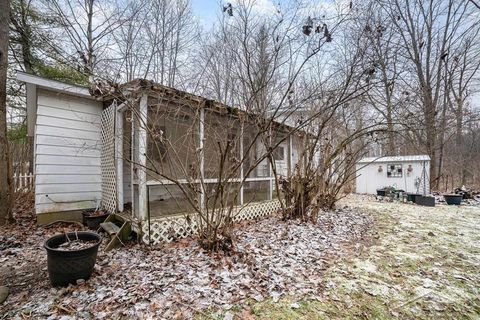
(173, 148)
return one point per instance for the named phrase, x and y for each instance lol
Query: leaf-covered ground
(371, 260)
(423, 264)
(273, 260)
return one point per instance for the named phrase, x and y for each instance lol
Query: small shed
(407, 173)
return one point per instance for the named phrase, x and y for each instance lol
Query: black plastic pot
(453, 199)
(381, 192)
(411, 196)
(67, 266)
(93, 222)
(425, 201)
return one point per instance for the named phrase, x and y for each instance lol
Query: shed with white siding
(65, 123)
(407, 173)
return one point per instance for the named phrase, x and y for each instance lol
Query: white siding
(369, 179)
(67, 152)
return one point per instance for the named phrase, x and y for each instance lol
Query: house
(407, 173)
(140, 148)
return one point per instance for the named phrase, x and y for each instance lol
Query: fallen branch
(412, 300)
(62, 221)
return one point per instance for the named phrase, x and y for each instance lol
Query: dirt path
(424, 264)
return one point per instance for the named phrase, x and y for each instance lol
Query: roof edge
(54, 85)
(420, 157)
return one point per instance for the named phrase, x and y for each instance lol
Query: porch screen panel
(254, 149)
(168, 200)
(222, 141)
(172, 142)
(109, 185)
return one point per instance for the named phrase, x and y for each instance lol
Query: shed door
(109, 185)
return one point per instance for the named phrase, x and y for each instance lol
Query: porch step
(110, 227)
(118, 235)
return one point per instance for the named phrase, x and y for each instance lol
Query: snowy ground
(424, 263)
(274, 260)
(371, 260)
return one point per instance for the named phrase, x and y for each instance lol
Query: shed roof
(54, 85)
(412, 158)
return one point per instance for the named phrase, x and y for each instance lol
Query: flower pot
(411, 196)
(381, 192)
(92, 218)
(68, 265)
(453, 199)
(425, 201)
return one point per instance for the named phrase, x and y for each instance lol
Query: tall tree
(5, 165)
(88, 26)
(426, 29)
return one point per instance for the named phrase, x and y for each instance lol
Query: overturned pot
(71, 256)
(453, 199)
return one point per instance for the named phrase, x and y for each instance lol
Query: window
(394, 171)
(279, 153)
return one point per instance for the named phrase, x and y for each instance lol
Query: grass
(424, 263)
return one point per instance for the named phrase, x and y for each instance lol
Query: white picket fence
(23, 182)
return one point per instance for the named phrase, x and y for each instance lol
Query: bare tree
(426, 30)
(88, 26)
(382, 63)
(157, 42)
(462, 70)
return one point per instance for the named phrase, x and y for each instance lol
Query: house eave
(54, 85)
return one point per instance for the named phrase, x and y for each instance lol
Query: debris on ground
(272, 259)
(470, 196)
(95, 212)
(468, 193)
(76, 244)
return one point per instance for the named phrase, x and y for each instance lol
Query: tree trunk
(442, 144)
(6, 189)
(459, 139)
(391, 133)
(431, 135)
(90, 50)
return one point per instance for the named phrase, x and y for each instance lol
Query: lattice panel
(171, 228)
(257, 210)
(109, 180)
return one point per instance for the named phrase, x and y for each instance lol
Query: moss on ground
(424, 264)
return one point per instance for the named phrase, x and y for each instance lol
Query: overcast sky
(207, 12)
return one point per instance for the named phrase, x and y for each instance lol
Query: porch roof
(137, 86)
(104, 91)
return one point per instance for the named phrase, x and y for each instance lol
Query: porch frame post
(119, 156)
(134, 214)
(290, 157)
(270, 168)
(201, 146)
(142, 159)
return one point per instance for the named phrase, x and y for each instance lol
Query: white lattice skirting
(171, 228)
